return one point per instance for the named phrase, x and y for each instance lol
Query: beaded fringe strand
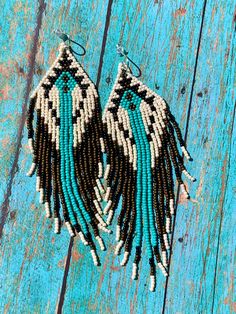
(141, 149)
(66, 148)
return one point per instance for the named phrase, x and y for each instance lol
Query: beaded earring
(139, 138)
(66, 147)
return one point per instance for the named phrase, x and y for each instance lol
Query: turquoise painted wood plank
(192, 282)
(162, 38)
(17, 29)
(225, 295)
(32, 257)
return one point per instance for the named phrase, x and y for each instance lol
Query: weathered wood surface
(185, 50)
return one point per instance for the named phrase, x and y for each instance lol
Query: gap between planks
(185, 139)
(5, 204)
(68, 258)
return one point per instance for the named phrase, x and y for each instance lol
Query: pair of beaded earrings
(137, 135)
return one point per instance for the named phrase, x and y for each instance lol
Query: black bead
(54, 113)
(149, 137)
(132, 141)
(152, 119)
(150, 100)
(142, 94)
(84, 94)
(113, 109)
(150, 128)
(129, 96)
(65, 78)
(126, 133)
(50, 105)
(79, 79)
(132, 106)
(77, 112)
(65, 89)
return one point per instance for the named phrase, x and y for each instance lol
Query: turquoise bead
(67, 168)
(145, 221)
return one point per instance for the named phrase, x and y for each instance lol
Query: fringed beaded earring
(66, 147)
(139, 138)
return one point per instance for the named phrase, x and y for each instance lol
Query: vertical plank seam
(5, 205)
(104, 41)
(185, 139)
(221, 214)
(64, 281)
(68, 259)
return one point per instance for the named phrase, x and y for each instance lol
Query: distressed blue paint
(224, 300)
(198, 225)
(17, 27)
(162, 37)
(32, 256)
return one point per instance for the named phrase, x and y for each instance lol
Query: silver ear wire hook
(66, 37)
(123, 53)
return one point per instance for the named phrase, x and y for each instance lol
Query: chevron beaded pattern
(141, 149)
(66, 148)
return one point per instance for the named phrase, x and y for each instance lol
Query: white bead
(104, 229)
(117, 233)
(47, 209)
(109, 218)
(107, 207)
(99, 218)
(107, 171)
(31, 145)
(185, 152)
(172, 209)
(185, 172)
(100, 170)
(41, 196)
(107, 194)
(118, 247)
(164, 258)
(134, 271)
(166, 241)
(82, 238)
(69, 228)
(152, 283)
(125, 259)
(98, 196)
(162, 268)
(56, 225)
(97, 207)
(183, 191)
(102, 145)
(168, 221)
(95, 258)
(37, 184)
(31, 170)
(101, 243)
(99, 184)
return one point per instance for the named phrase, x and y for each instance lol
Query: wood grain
(186, 52)
(198, 225)
(33, 258)
(164, 43)
(224, 284)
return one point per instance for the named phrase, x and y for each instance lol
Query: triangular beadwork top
(139, 136)
(66, 148)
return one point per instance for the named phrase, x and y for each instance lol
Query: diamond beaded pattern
(139, 137)
(66, 148)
